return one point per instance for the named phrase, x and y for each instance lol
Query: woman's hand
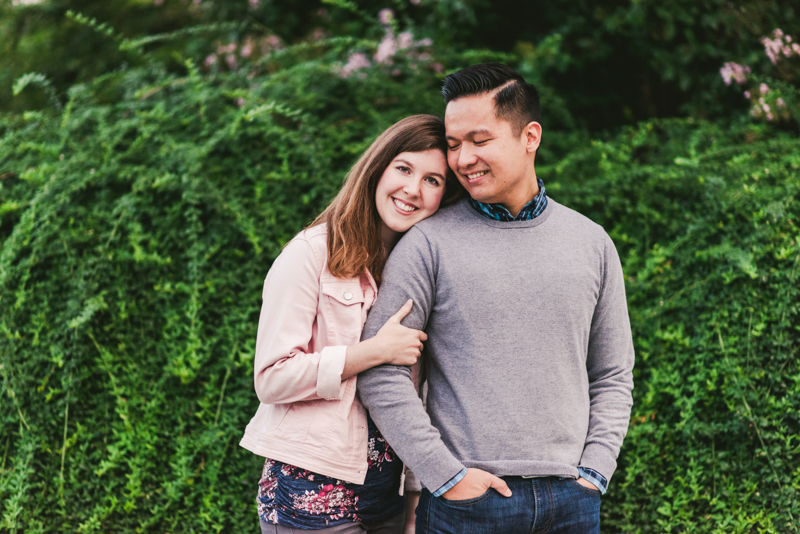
(399, 344)
(394, 344)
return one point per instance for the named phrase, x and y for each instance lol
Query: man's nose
(466, 157)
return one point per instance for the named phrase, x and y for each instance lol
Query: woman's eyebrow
(404, 161)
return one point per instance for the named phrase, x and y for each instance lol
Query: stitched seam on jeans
(536, 509)
(428, 515)
(552, 505)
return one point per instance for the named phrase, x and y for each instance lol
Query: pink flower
(763, 88)
(796, 48)
(731, 71)
(253, 3)
(769, 116)
(210, 60)
(404, 40)
(385, 16)
(780, 103)
(355, 62)
(425, 42)
(246, 50)
(747, 94)
(386, 49)
(158, 2)
(230, 59)
(772, 47)
(396, 72)
(226, 49)
(766, 107)
(240, 101)
(438, 67)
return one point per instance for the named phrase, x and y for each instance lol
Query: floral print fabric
(295, 497)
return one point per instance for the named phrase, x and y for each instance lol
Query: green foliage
(138, 220)
(610, 62)
(137, 227)
(706, 221)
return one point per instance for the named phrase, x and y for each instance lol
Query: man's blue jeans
(538, 505)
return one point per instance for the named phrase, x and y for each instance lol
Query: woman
(327, 467)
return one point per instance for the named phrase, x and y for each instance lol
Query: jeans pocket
(574, 482)
(466, 502)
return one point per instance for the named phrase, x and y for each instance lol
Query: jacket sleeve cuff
(329, 373)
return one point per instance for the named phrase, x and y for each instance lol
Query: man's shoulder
(575, 221)
(443, 218)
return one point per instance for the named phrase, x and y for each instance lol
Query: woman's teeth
(403, 205)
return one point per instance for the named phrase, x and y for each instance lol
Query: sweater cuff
(451, 483)
(438, 468)
(598, 458)
(329, 373)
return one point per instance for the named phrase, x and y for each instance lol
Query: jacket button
(348, 295)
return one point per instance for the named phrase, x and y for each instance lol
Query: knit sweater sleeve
(387, 390)
(609, 364)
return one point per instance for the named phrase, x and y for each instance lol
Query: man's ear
(532, 134)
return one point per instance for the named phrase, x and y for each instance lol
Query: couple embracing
(443, 238)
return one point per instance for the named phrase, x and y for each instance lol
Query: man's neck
(522, 197)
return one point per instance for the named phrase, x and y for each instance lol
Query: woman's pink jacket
(309, 417)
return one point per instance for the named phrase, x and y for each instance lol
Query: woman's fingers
(401, 313)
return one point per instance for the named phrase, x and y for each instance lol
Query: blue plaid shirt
(498, 212)
(531, 210)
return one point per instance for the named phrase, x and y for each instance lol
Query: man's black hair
(517, 101)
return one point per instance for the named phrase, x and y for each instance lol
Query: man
(529, 355)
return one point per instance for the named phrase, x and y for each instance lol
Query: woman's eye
(403, 169)
(433, 181)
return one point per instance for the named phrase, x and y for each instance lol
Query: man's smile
(475, 175)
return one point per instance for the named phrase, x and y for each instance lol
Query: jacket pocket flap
(344, 293)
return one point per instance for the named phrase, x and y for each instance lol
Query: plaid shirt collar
(498, 212)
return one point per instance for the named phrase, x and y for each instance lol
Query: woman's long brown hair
(354, 226)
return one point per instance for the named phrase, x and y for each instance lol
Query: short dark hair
(517, 101)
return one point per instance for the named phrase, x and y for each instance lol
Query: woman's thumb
(403, 311)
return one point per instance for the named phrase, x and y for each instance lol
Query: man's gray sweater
(529, 357)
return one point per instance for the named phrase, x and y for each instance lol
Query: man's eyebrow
(472, 134)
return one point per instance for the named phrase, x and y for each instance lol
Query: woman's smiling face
(409, 190)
